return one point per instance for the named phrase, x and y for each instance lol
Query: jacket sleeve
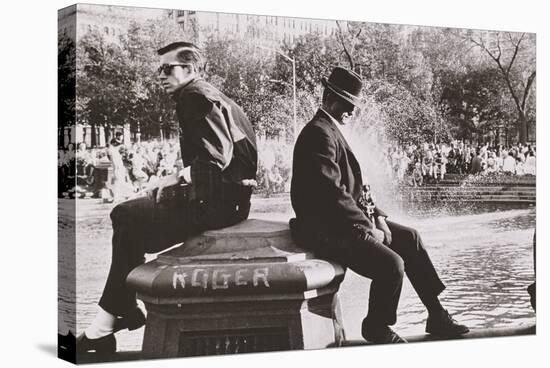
(320, 163)
(206, 131)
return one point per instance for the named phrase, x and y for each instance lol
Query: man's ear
(197, 69)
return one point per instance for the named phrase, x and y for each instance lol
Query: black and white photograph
(239, 183)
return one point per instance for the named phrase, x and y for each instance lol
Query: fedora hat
(346, 84)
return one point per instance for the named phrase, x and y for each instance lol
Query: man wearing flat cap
(337, 219)
(213, 190)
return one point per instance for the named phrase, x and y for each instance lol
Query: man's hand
(361, 232)
(165, 181)
(185, 174)
(378, 235)
(380, 222)
(249, 183)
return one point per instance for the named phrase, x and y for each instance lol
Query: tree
(146, 102)
(399, 79)
(408, 119)
(118, 79)
(314, 56)
(66, 87)
(348, 39)
(514, 56)
(474, 102)
(243, 72)
(99, 94)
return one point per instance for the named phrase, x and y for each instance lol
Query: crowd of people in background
(138, 166)
(135, 167)
(417, 165)
(274, 166)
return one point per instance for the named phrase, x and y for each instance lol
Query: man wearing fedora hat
(337, 219)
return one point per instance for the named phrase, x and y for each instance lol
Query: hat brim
(354, 100)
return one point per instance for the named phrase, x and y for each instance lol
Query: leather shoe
(132, 320)
(444, 325)
(380, 334)
(102, 345)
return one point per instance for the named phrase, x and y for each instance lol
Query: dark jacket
(216, 140)
(326, 184)
(475, 165)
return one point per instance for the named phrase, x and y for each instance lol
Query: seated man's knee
(398, 266)
(392, 267)
(414, 237)
(408, 242)
(121, 212)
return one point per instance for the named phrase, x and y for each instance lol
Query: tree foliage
(117, 79)
(408, 119)
(474, 101)
(513, 54)
(425, 84)
(66, 87)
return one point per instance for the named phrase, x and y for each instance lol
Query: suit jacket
(326, 184)
(475, 165)
(216, 140)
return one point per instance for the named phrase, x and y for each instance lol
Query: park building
(267, 29)
(111, 21)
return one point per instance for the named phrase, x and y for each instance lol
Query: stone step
(468, 190)
(447, 194)
(481, 187)
(462, 177)
(480, 183)
(478, 194)
(470, 193)
(477, 200)
(478, 191)
(471, 199)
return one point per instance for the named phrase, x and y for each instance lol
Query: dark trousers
(144, 226)
(385, 266)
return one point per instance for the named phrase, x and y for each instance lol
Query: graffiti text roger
(220, 278)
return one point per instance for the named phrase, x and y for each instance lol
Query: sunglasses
(167, 68)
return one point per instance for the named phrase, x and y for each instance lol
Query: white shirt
(345, 130)
(339, 125)
(509, 165)
(530, 165)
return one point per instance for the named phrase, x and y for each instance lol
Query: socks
(102, 325)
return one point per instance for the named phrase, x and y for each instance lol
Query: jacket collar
(332, 119)
(323, 115)
(180, 89)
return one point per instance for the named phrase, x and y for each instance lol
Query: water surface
(484, 256)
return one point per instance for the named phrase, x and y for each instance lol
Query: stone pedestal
(246, 288)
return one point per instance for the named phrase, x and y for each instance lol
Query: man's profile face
(341, 109)
(175, 76)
